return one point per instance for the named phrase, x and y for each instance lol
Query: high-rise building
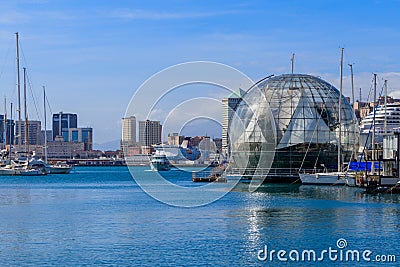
(84, 135)
(149, 132)
(34, 132)
(128, 130)
(62, 122)
(8, 138)
(229, 105)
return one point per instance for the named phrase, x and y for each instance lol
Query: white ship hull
(159, 162)
(329, 178)
(58, 169)
(20, 172)
(158, 166)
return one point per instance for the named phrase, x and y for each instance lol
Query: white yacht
(328, 178)
(159, 162)
(58, 168)
(20, 169)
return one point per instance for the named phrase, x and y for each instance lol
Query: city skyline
(92, 58)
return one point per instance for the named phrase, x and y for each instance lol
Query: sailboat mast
(26, 117)
(339, 159)
(11, 128)
(385, 123)
(45, 125)
(5, 123)
(292, 62)
(373, 129)
(352, 84)
(19, 90)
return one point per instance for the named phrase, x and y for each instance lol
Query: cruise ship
(392, 119)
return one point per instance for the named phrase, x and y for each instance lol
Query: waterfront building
(129, 130)
(7, 134)
(290, 123)
(128, 140)
(362, 109)
(61, 149)
(229, 105)
(147, 150)
(149, 133)
(84, 135)
(175, 139)
(62, 122)
(34, 132)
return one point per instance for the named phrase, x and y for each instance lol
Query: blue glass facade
(75, 136)
(62, 122)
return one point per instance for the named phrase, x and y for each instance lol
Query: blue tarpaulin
(360, 166)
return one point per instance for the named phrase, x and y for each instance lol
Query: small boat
(214, 177)
(159, 162)
(58, 168)
(328, 178)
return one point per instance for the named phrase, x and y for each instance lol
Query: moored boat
(328, 178)
(159, 162)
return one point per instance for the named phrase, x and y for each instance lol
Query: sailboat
(17, 166)
(58, 168)
(332, 178)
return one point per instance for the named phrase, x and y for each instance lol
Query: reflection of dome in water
(298, 132)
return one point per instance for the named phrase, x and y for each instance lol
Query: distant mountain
(110, 145)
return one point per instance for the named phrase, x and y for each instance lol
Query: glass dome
(288, 124)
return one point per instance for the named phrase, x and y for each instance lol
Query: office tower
(84, 135)
(128, 131)
(34, 132)
(149, 132)
(62, 122)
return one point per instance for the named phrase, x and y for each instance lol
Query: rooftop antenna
(292, 62)
(360, 95)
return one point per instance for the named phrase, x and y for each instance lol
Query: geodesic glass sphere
(294, 118)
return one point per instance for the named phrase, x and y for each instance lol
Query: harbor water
(100, 216)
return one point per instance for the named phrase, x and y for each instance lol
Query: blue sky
(93, 55)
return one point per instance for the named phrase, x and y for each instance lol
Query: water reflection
(314, 217)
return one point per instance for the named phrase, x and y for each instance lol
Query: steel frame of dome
(305, 124)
